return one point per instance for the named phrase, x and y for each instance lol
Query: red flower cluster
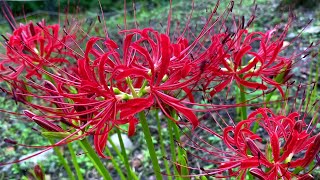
(241, 61)
(32, 48)
(282, 148)
(109, 85)
(109, 82)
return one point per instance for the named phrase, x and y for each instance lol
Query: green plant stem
(243, 103)
(62, 160)
(85, 145)
(124, 155)
(182, 156)
(114, 147)
(74, 161)
(74, 158)
(115, 165)
(152, 152)
(172, 148)
(313, 95)
(119, 154)
(278, 79)
(163, 151)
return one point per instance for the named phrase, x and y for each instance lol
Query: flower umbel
(286, 147)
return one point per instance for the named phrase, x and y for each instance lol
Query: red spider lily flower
(264, 64)
(285, 145)
(122, 86)
(108, 89)
(111, 83)
(164, 70)
(32, 47)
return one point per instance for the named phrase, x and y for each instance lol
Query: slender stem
(129, 82)
(181, 155)
(163, 151)
(172, 147)
(74, 161)
(278, 79)
(62, 160)
(152, 152)
(243, 102)
(114, 147)
(85, 145)
(124, 155)
(115, 165)
(120, 155)
(73, 157)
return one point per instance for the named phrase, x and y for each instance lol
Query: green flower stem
(311, 80)
(95, 159)
(172, 147)
(163, 151)
(120, 155)
(129, 82)
(125, 157)
(74, 161)
(114, 147)
(278, 79)
(243, 103)
(152, 152)
(73, 157)
(62, 160)
(182, 156)
(115, 165)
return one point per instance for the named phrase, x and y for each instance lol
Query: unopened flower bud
(28, 113)
(10, 141)
(253, 148)
(298, 126)
(47, 124)
(49, 85)
(38, 172)
(257, 173)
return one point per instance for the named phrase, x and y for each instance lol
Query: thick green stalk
(125, 157)
(163, 151)
(74, 161)
(152, 152)
(85, 145)
(62, 161)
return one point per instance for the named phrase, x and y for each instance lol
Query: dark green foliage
(287, 4)
(71, 6)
